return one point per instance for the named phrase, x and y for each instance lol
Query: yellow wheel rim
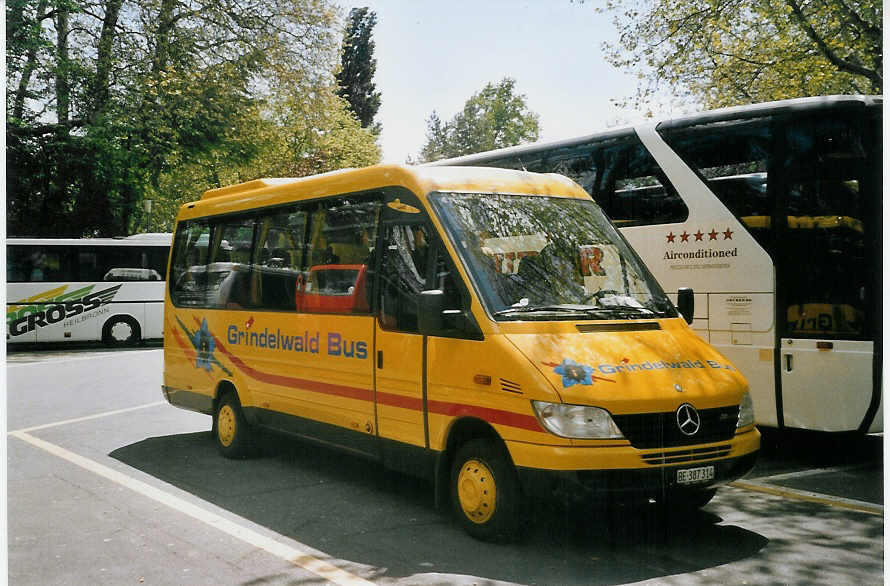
(225, 425)
(476, 491)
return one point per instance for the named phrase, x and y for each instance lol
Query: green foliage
(496, 117)
(356, 76)
(726, 52)
(165, 98)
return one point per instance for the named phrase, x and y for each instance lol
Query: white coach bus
(90, 289)
(771, 213)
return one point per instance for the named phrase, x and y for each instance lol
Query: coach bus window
(734, 159)
(38, 264)
(620, 175)
(830, 183)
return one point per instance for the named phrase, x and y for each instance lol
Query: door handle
(380, 359)
(789, 364)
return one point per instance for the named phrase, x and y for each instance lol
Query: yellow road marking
(811, 497)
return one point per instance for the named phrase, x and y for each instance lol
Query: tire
(485, 491)
(231, 432)
(121, 330)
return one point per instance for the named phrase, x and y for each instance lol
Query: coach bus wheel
(232, 435)
(121, 331)
(485, 491)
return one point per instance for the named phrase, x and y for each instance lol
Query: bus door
(830, 256)
(399, 350)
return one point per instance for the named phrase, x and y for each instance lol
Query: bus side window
(278, 260)
(228, 272)
(403, 274)
(188, 277)
(632, 189)
(343, 233)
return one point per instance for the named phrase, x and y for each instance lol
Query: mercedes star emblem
(688, 419)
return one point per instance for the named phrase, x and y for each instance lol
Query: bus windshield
(543, 258)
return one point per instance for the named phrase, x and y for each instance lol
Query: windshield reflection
(549, 258)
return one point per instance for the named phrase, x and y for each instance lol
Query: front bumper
(587, 471)
(628, 482)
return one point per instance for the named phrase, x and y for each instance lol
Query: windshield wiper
(563, 308)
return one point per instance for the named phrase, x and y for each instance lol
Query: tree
(356, 75)
(110, 102)
(726, 52)
(495, 117)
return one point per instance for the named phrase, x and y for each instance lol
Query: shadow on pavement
(354, 510)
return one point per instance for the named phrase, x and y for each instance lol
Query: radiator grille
(660, 430)
(686, 456)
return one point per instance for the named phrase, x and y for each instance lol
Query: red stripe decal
(497, 416)
(509, 418)
(189, 351)
(393, 400)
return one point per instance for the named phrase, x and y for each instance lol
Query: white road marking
(88, 417)
(293, 555)
(18, 360)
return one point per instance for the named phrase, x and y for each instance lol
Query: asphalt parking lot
(107, 484)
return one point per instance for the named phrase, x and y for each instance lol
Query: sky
(434, 55)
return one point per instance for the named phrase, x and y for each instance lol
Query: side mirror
(429, 311)
(686, 303)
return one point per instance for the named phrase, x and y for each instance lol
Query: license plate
(695, 475)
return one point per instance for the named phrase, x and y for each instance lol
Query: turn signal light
(482, 379)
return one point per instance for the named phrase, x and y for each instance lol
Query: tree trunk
(63, 90)
(101, 93)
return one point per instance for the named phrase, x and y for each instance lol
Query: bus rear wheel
(485, 491)
(121, 331)
(231, 431)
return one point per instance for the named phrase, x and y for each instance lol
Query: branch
(833, 58)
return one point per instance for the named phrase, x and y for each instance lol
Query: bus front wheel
(485, 491)
(121, 331)
(231, 430)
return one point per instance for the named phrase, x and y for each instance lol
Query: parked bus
(486, 329)
(772, 214)
(83, 290)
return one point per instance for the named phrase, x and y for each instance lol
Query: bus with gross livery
(86, 289)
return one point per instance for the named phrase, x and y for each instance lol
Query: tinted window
(618, 172)
(188, 275)
(343, 233)
(806, 187)
(308, 257)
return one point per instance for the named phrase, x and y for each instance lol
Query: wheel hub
(476, 491)
(225, 425)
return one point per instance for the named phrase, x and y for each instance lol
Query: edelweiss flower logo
(573, 373)
(203, 342)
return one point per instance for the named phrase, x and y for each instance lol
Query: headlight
(746, 411)
(576, 421)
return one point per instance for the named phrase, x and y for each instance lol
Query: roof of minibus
(423, 180)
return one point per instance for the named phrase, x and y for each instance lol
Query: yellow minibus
(487, 329)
